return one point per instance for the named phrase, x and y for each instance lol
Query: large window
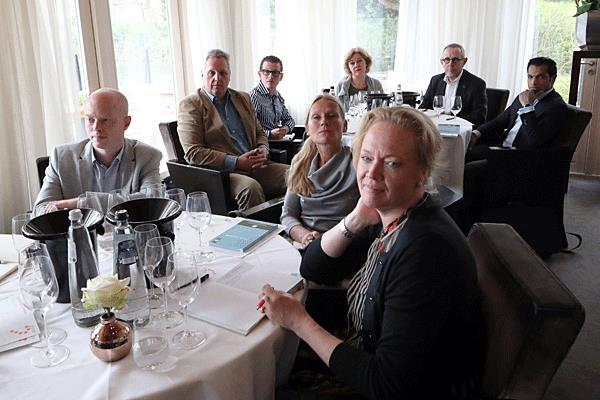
(377, 27)
(555, 38)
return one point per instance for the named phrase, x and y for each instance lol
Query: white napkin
(17, 325)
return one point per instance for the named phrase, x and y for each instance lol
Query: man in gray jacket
(103, 162)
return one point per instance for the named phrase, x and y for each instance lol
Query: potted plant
(587, 25)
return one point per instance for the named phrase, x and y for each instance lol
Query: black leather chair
(526, 188)
(193, 178)
(531, 317)
(497, 99)
(42, 163)
(292, 146)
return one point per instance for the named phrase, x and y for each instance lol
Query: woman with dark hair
(321, 183)
(415, 323)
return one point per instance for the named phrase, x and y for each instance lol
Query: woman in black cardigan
(415, 324)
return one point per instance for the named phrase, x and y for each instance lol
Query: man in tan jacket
(218, 129)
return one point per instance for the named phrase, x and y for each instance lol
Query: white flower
(105, 291)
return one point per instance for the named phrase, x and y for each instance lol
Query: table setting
(181, 357)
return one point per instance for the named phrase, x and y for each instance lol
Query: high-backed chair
(290, 146)
(526, 188)
(193, 178)
(42, 163)
(497, 99)
(531, 317)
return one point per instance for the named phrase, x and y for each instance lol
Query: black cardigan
(423, 328)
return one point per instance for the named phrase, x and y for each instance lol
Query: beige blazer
(203, 135)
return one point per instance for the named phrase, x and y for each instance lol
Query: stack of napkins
(17, 326)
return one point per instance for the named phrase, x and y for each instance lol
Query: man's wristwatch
(344, 231)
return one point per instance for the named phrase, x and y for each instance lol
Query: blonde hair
(297, 179)
(427, 138)
(363, 53)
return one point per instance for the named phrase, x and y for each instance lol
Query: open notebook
(230, 300)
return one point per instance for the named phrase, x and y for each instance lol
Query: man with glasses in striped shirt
(270, 106)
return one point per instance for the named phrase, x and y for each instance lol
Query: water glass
(150, 348)
(20, 242)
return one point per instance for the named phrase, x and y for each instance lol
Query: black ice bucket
(53, 230)
(149, 211)
(411, 98)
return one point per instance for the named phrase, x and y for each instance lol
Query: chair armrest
(278, 155)
(215, 183)
(269, 211)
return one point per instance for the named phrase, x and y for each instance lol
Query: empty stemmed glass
(27, 247)
(161, 273)
(179, 196)
(142, 233)
(456, 105)
(198, 216)
(184, 288)
(39, 290)
(438, 105)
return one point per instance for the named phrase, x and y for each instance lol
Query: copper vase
(111, 338)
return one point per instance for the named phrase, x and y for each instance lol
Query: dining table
(228, 365)
(446, 182)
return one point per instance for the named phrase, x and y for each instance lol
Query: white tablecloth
(227, 366)
(447, 178)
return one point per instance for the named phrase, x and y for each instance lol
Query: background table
(227, 366)
(446, 184)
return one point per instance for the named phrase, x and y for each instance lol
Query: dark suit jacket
(539, 127)
(470, 88)
(422, 322)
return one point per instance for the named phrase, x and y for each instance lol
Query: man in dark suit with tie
(457, 81)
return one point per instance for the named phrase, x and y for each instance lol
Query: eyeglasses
(267, 72)
(453, 59)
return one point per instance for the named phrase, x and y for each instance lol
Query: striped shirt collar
(262, 89)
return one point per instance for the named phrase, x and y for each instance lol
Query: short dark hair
(548, 62)
(271, 59)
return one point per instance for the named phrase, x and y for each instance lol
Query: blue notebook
(244, 236)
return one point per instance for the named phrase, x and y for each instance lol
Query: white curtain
(228, 25)
(497, 36)
(311, 37)
(39, 102)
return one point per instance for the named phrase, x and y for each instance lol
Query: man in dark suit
(457, 81)
(533, 119)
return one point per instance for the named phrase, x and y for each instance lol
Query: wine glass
(438, 104)
(161, 273)
(198, 217)
(55, 335)
(39, 290)
(456, 105)
(179, 196)
(20, 242)
(154, 190)
(142, 233)
(184, 288)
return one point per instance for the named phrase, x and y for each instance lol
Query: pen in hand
(260, 304)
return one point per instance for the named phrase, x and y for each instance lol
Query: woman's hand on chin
(361, 217)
